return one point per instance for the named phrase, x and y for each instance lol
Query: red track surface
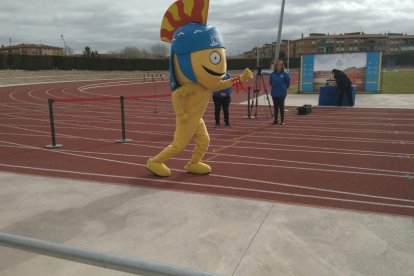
(351, 158)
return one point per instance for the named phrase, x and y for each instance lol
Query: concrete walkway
(210, 233)
(405, 101)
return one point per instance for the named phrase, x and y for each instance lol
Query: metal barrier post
(52, 127)
(155, 95)
(123, 140)
(249, 112)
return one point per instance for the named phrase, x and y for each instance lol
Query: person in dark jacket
(344, 85)
(222, 99)
(279, 80)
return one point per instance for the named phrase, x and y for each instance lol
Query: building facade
(32, 50)
(268, 50)
(316, 43)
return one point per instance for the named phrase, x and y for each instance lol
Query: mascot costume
(197, 67)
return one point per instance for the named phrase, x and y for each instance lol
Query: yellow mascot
(197, 67)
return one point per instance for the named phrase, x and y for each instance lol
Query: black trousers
(279, 107)
(219, 104)
(348, 92)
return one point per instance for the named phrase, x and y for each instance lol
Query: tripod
(258, 83)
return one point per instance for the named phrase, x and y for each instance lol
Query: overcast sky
(108, 25)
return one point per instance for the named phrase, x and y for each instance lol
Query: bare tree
(130, 52)
(159, 50)
(69, 51)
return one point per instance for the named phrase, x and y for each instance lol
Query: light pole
(8, 56)
(64, 43)
(279, 32)
(288, 55)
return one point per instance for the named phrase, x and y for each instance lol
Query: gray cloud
(110, 25)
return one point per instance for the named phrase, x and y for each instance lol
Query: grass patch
(398, 82)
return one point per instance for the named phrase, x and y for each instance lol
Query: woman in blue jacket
(279, 80)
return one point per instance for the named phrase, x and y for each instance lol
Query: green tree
(88, 53)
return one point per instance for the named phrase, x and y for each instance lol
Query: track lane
(340, 158)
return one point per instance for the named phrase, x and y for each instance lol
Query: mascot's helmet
(185, 26)
(187, 39)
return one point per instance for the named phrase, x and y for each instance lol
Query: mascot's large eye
(215, 58)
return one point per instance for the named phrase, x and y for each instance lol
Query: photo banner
(363, 69)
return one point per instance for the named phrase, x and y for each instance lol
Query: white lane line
(222, 176)
(399, 155)
(64, 81)
(83, 89)
(392, 173)
(360, 170)
(114, 83)
(215, 186)
(321, 170)
(294, 136)
(12, 96)
(270, 146)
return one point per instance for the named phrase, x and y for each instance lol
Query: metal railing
(96, 258)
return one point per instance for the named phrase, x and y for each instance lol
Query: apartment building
(32, 50)
(317, 43)
(268, 50)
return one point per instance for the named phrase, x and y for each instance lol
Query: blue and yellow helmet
(191, 38)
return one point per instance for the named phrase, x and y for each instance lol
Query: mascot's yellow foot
(157, 168)
(198, 168)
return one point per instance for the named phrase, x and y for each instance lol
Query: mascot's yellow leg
(184, 133)
(157, 168)
(156, 164)
(202, 140)
(198, 168)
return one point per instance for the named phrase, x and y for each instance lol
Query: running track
(347, 158)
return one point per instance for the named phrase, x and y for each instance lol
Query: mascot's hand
(243, 77)
(246, 75)
(183, 117)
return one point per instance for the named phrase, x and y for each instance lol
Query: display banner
(373, 72)
(307, 73)
(363, 69)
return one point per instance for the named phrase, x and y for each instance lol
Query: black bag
(304, 109)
